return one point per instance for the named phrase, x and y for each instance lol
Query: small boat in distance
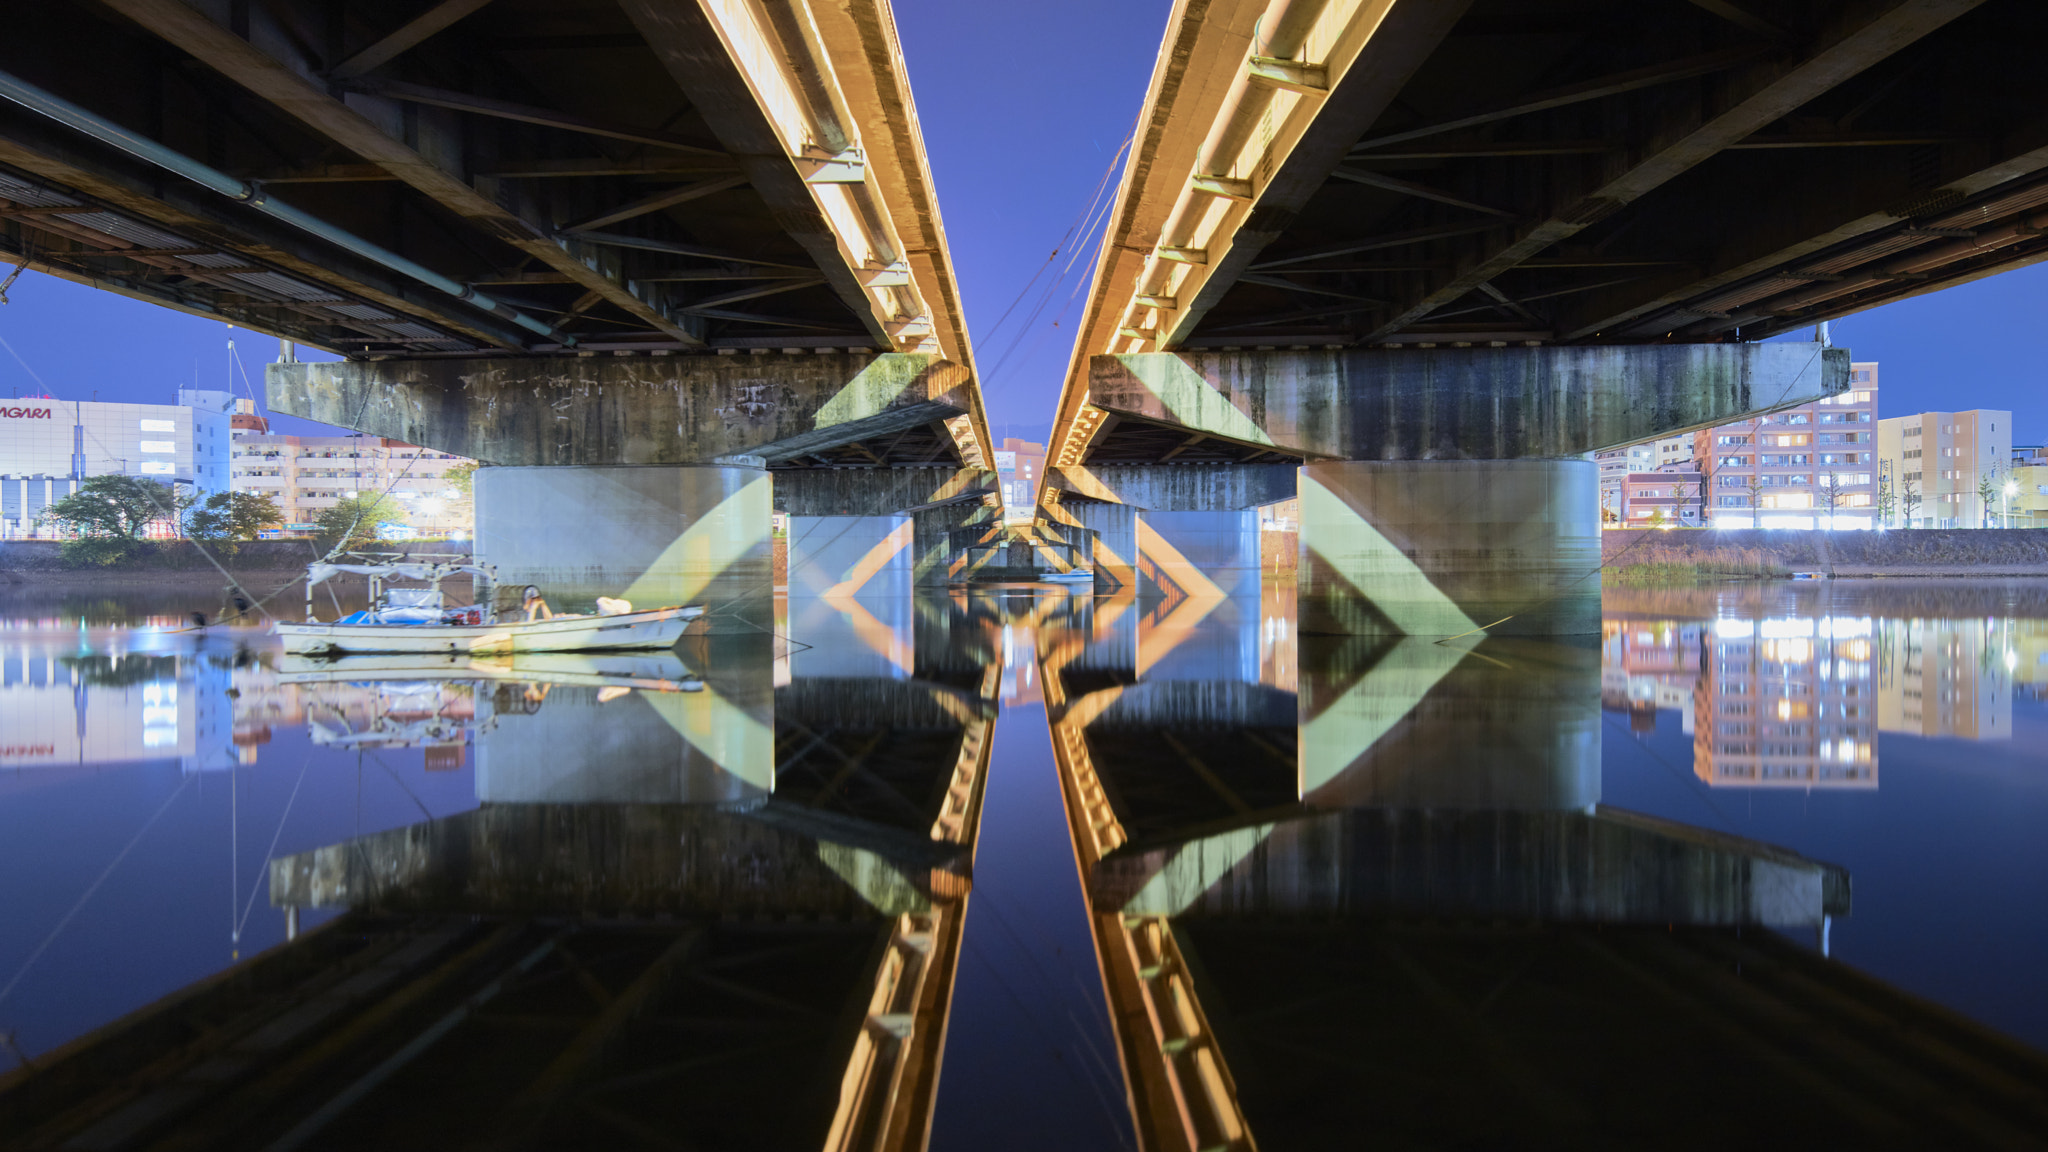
(418, 620)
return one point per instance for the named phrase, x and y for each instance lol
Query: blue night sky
(1022, 116)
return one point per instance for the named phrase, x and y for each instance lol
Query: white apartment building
(49, 447)
(1944, 464)
(308, 474)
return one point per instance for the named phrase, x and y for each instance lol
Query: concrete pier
(850, 556)
(1448, 547)
(653, 534)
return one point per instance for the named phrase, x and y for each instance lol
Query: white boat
(416, 620)
(1078, 576)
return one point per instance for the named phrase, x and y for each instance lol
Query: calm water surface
(1859, 768)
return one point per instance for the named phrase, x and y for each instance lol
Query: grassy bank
(1635, 558)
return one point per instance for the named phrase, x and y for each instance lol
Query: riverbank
(261, 566)
(1638, 557)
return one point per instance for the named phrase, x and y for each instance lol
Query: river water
(1854, 768)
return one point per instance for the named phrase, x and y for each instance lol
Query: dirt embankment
(1971, 552)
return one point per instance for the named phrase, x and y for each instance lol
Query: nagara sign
(25, 413)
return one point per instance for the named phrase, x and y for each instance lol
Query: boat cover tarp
(316, 573)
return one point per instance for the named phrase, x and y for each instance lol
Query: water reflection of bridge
(730, 910)
(1391, 903)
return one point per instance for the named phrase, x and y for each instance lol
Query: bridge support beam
(652, 534)
(1438, 548)
(1461, 403)
(1442, 493)
(632, 410)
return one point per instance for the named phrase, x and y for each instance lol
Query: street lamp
(2011, 490)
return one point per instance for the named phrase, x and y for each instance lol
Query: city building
(1019, 465)
(1668, 496)
(1616, 465)
(2027, 503)
(1946, 469)
(308, 474)
(49, 447)
(1674, 451)
(1814, 466)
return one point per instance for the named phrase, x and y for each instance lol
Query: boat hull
(659, 628)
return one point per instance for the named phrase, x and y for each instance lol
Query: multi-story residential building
(1787, 703)
(1674, 451)
(1946, 469)
(49, 447)
(1019, 464)
(2027, 501)
(1670, 496)
(1814, 466)
(1616, 465)
(307, 474)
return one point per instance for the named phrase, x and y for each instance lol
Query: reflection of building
(1787, 703)
(1947, 678)
(60, 710)
(1946, 462)
(1648, 665)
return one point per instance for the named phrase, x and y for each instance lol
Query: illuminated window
(158, 467)
(159, 445)
(159, 426)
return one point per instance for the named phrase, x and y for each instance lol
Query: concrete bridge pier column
(1435, 548)
(654, 534)
(850, 555)
(942, 539)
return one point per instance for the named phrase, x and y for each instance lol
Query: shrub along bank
(1646, 557)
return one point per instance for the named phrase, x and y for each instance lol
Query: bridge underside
(1490, 171)
(600, 166)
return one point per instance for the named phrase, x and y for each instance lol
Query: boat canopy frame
(429, 568)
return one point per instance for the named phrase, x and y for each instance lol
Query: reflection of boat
(651, 671)
(1077, 576)
(417, 620)
(402, 714)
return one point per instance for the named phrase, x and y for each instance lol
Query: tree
(462, 478)
(1887, 500)
(1755, 484)
(1831, 495)
(232, 516)
(116, 507)
(1909, 502)
(352, 523)
(1987, 492)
